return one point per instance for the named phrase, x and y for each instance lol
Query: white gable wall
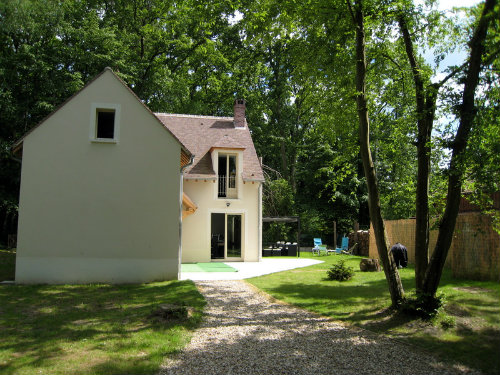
(99, 212)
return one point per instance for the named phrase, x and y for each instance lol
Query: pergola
(286, 219)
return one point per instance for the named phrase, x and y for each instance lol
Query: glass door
(233, 230)
(225, 236)
(218, 235)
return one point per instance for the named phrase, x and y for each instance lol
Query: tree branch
(349, 6)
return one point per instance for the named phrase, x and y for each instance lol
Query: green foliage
(482, 175)
(329, 187)
(423, 305)
(446, 321)
(340, 271)
(312, 223)
(278, 199)
(274, 232)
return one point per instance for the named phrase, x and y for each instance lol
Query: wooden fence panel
(474, 252)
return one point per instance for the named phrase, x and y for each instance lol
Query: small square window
(105, 126)
(105, 122)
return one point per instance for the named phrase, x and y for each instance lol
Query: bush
(424, 306)
(447, 322)
(340, 272)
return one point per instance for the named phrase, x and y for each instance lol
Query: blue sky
(457, 57)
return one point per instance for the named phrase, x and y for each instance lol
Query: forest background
(293, 63)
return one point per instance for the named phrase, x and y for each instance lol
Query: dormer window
(104, 122)
(227, 176)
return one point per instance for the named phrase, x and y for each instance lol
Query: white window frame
(236, 182)
(94, 107)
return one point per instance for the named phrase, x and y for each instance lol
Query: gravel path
(244, 332)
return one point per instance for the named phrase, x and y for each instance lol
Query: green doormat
(207, 267)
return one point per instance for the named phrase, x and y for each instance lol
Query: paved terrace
(251, 269)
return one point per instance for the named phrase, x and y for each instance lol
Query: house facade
(103, 198)
(224, 181)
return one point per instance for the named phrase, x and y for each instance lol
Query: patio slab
(251, 269)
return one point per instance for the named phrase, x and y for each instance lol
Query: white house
(224, 182)
(101, 191)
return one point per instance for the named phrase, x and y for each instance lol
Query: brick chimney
(240, 120)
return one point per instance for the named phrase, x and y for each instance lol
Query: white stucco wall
(99, 212)
(196, 230)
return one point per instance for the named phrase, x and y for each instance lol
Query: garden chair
(351, 250)
(318, 246)
(344, 247)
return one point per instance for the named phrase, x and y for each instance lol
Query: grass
(91, 329)
(7, 264)
(467, 330)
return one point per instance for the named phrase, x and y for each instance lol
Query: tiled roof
(202, 133)
(227, 142)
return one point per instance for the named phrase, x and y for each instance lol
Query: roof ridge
(193, 116)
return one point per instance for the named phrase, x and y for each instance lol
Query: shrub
(424, 306)
(340, 271)
(447, 322)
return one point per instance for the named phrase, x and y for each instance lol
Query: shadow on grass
(42, 324)
(478, 349)
(353, 303)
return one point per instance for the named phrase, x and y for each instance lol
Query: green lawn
(7, 264)
(92, 329)
(472, 308)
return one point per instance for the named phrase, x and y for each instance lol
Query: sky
(448, 4)
(457, 57)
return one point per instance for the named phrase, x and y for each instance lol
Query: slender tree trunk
(424, 125)
(283, 155)
(277, 115)
(390, 268)
(293, 180)
(456, 169)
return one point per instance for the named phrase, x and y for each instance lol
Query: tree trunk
(283, 155)
(456, 168)
(390, 269)
(424, 125)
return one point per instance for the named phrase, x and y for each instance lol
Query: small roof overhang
(188, 206)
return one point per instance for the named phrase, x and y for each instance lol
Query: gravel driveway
(244, 332)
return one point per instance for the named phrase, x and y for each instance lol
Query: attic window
(105, 126)
(104, 122)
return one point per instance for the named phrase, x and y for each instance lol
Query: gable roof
(201, 134)
(17, 146)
